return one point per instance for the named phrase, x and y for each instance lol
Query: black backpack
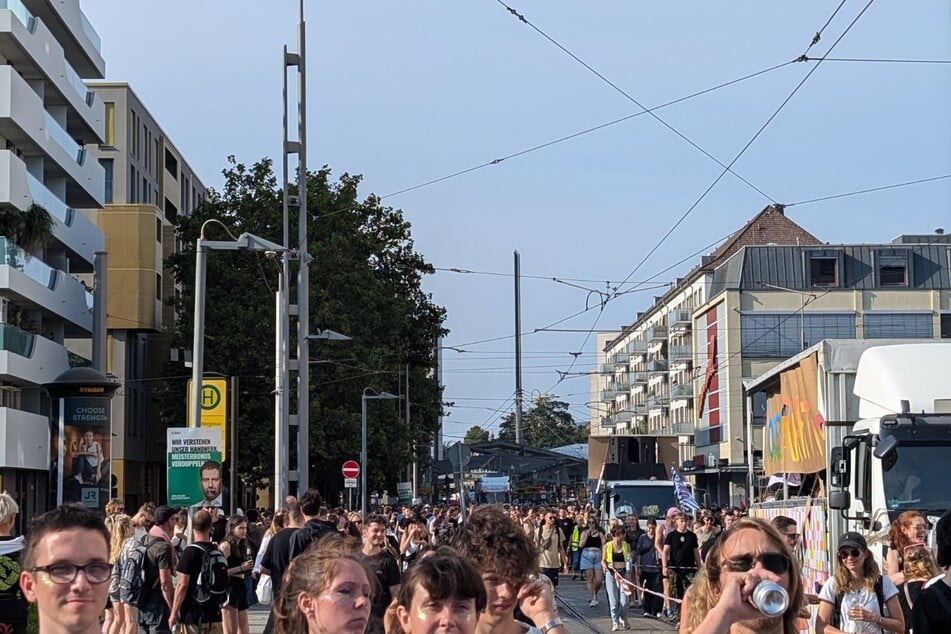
(837, 611)
(212, 583)
(134, 588)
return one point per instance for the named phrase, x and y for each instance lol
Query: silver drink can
(770, 598)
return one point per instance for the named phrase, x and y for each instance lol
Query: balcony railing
(682, 390)
(17, 341)
(638, 378)
(91, 33)
(637, 347)
(622, 386)
(622, 417)
(680, 353)
(608, 394)
(19, 9)
(81, 89)
(682, 429)
(679, 319)
(607, 368)
(657, 333)
(34, 268)
(657, 400)
(656, 365)
(621, 358)
(48, 200)
(62, 138)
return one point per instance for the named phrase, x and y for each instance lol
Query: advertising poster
(85, 449)
(194, 467)
(404, 491)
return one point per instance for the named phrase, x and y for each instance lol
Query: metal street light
(328, 335)
(363, 442)
(244, 242)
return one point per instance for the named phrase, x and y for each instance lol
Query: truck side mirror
(840, 499)
(840, 469)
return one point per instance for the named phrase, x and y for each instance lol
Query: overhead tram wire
(743, 150)
(868, 191)
(872, 60)
(818, 36)
(630, 98)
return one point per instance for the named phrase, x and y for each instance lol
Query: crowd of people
(422, 569)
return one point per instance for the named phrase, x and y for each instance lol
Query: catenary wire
(818, 35)
(869, 190)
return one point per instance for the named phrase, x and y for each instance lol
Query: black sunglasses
(849, 552)
(776, 563)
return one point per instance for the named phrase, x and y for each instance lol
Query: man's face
(73, 606)
(375, 534)
(728, 520)
(791, 535)
(211, 483)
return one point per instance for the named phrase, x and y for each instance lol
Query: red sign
(351, 469)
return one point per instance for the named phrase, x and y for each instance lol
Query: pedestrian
(681, 561)
(566, 524)
(13, 605)
(649, 559)
(160, 562)
(440, 593)
(931, 613)
(591, 541)
(195, 617)
(908, 528)
(919, 568)
(551, 543)
(277, 557)
(615, 562)
(317, 522)
(120, 530)
(66, 569)
(659, 539)
(234, 614)
(385, 567)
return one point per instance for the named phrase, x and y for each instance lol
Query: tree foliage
(547, 424)
(365, 281)
(30, 230)
(476, 434)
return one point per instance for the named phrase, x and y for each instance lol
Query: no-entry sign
(351, 469)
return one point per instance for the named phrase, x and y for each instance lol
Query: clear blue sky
(408, 92)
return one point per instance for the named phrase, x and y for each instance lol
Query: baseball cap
(854, 540)
(672, 511)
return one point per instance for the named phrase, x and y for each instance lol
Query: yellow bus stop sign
(214, 407)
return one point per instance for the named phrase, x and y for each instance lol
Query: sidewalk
(573, 604)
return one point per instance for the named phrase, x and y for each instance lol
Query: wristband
(552, 624)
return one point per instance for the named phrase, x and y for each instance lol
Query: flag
(684, 499)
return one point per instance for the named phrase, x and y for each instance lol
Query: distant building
(148, 185)
(47, 119)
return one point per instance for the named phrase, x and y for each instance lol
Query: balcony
(622, 417)
(680, 354)
(622, 386)
(655, 366)
(81, 44)
(608, 394)
(656, 401)
(620, 358)
(606, 368)
(682, 429)
(17, 341)
(29, 358)
(24, 442)
(681, 391)
(657, 333)
(679, 320)
(638, 378)
(637, 347)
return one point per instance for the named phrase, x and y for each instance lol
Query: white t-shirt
(865, 598)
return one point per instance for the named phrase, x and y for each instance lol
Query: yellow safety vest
(609, 552)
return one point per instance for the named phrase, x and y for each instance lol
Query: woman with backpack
(120, 530)
(234, 613)
(852, 599)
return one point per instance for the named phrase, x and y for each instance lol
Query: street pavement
(573, 607)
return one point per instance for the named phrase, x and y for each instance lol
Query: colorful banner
(194, 467)
(794, 437)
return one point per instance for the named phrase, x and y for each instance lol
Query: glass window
(110, 114)
(892, 270)
(108, 168)
(824, 271)
(898, 325)
(946, 326)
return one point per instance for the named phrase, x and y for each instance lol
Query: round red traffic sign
(351, 469)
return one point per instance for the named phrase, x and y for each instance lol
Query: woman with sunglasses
(908, 528)
(720, 599)
(591, 541)
(853, 593)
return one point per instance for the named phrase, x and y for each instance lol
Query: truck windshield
(647, 501)
(915, 477)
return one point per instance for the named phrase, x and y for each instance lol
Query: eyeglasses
(854, 553)
(776, 563)
(96, 572)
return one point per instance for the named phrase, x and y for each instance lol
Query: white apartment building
(47, 115)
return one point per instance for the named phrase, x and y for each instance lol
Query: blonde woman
(920, 566)
(121, 542)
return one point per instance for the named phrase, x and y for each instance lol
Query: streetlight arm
(201, 232)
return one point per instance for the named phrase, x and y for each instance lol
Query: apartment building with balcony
(647, 381)
(767, 303)
(148, 184)
(47, 119)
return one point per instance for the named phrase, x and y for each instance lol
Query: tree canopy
(365, 281)
(547, 424)
(476, 434)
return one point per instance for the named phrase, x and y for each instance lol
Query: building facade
(47, 119)
(148, 184)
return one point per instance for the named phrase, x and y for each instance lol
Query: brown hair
(844, 581)
(704, 592)
(444, 575)
(493, 542)
(897, 539)
(277, 523)
(62, 518)
(239, 547)
(920, 564)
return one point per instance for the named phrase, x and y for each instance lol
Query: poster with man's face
(194, 467)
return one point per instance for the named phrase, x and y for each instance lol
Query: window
(171, 164)
(158, 286)
(110, 115)
(823, 271)
(108, 167)
(778, 335)
(899, 325)
(893, 270)
(171, 211)
(158, 230)
(946, 326)
(133, 185)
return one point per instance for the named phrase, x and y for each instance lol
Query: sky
(406, 93)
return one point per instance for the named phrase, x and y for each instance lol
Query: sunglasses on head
(854, 553)
(776, 563)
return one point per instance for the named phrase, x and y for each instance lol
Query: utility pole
(99, 332)
(519, 436)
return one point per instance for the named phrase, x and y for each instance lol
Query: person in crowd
(256, 529)
(234, 614)
(719, 600)
(160, 562)
(851, 600)
(275, 524)
(196, 618)
(328, 590)
(440, 593)
(120, 530)
(508, 563)
(317, 522)
(386, 569)
(566, 524)
(788, 528)
(574, 545)
(65, 569)
(659, 539)
(143, 518)
(113, 506)
(179, 536)
(909, 528)
(277, 557)
(591, 541)
(706, 531)
(13, 605)
(551, 544)
(616, 560)
(633, 534)
(354, 526)
(415, 538)
(648, 565)
(931, 613)
(919, 568)
(680, 560)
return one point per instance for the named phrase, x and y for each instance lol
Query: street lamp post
(363, 443)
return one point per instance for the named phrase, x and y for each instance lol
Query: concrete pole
(99, 332)
(363, 457)
(198, 340)
(519, 435)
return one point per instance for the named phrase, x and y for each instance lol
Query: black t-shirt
(932, 611)
(567, 526)
(158, 556)
(309, 533)
(682, 546)
(388, 572)
(192, 612)
(278, 556)
(13, 607)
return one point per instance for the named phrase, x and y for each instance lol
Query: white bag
(265, 590)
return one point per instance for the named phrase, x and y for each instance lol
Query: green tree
(30, 230)
(476, 434)
(547, 424)
(365, 282)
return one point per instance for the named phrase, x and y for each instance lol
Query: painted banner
(794, 438)
(194, 467)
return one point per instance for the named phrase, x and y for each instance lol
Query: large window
(781, 335)
(823, 271)
(898, 325)
(108, 168)
(893, 270)
(110, 114)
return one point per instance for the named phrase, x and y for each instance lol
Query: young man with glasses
(66, 569)
(550, 542)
